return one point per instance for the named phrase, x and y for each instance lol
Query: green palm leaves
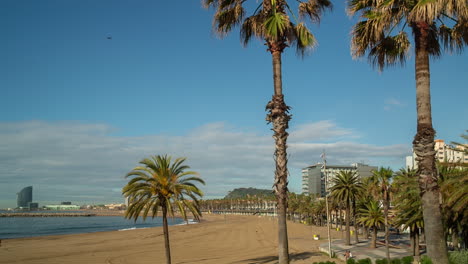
(346, 186)
(159, 184)
(381, 31)
(371, 215)
(407, 199)
(269, 21)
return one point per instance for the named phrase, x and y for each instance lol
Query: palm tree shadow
(274, 259)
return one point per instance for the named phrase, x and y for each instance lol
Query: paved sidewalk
(399, 248)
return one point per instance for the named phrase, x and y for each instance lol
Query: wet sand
(217, 239)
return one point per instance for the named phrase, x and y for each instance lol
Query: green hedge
(458, 257)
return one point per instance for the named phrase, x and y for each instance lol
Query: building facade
(444, 153)
(24, 197)
(316, 179)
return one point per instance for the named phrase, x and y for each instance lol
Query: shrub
(458, 257)
(351, 261)
(381, 261)
(426, 260)
(407, 260)
(364, 261)
(327, 262)
(395, 261)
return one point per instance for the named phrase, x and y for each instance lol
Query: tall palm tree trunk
(348, 235)
(278, 115)
(374, 237)
(356, 226)
(166, 235)
(416, 245)
(386, 205)
(423, 146)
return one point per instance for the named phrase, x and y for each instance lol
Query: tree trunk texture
(416, 245)
(355, 224)
(341, 220)
(374, 237)
(166, 235)
(348, 235)
(336, 219)
(423, 146)
(279, 117)
(386, 205)
(455, 239)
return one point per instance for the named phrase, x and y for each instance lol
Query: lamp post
(326, 202)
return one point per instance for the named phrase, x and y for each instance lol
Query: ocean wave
(132, 228)
(190, 222)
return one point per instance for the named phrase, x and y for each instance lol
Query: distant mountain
(241, 193)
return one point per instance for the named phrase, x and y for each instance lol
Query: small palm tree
(271, 23)
(408, 205)
(381, 180)
(371, 216)
(346, 187)
(454, 187)
(159, 184)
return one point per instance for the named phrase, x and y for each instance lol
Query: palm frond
(305, 40)
(314, 9)
(390, 51)
(276, 25)
(158, 184)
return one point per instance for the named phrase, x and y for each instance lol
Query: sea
(19, 227)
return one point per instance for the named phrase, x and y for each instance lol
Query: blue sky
(78, 110)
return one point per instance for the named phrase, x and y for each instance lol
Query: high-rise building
(444, 153)
(24, 197)
(313, 177)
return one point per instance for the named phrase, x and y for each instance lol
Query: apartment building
(317, 178)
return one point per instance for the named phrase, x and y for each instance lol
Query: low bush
(426, 260)
(407, 260)
(381, 261)
(326, 262)
(458, 257)
(395, 261)
(351, 261)
(364, 261)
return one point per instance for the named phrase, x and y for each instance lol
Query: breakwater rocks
(45, 214)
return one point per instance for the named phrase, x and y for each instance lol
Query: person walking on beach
(346, 255)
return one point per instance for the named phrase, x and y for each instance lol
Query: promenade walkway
(400, 247)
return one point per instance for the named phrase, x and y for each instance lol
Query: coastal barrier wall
(46, 214)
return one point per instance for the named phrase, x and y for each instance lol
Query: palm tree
(381, 180)
(371, 216)
(346, 187)
(270, 23)
(381, 33)
(454, 186)
(159, 185)
(408, 205)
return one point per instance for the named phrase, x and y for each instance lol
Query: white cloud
(392, 103)
(321, 130)
(71, 161)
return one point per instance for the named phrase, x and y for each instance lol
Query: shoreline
(216, 239)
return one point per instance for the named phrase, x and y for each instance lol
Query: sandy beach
(217, 239)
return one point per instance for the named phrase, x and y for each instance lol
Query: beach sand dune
(217, 239)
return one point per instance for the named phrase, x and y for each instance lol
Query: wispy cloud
(86, 162)
(392, 103)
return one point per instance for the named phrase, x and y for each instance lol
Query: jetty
(45, 214)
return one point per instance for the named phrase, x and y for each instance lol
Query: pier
(46, 214)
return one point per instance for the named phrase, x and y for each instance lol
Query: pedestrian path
(400, 248)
